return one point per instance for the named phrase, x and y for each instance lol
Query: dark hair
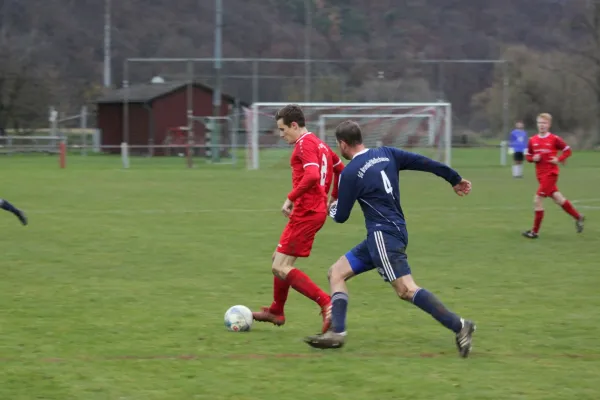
(349, 132)
(291, 113)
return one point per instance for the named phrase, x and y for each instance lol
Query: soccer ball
(238, 319)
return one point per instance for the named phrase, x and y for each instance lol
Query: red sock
(305, 286)
(539, 216)
(568, 207)
(281, 289)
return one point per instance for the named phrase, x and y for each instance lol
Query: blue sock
(427, 302)
(5, 205)
(339, 307)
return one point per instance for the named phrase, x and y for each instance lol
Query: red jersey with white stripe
(547, 146)
(314, 165)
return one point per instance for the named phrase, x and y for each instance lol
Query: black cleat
(530, 234)
(464, 338)
(327, 340)
(22, 217)
(579, 224)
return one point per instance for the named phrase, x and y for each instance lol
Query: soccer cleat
(327, 340)
(22, 217)
(530, 234)
(265, 315)
(464, 338)
(326, 314)
(579, 224)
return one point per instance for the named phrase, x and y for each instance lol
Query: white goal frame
(253, 139)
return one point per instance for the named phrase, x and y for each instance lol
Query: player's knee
(538, 203)
(334, 274)
(559, 198)
(405, 293)
(405, 287)
(278, 270)
(340, 271)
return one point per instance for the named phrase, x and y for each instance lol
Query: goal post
(423, 127)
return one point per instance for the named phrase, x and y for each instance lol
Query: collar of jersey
(307, 133)
(360, 153)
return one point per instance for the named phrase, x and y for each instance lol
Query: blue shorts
(384, 251)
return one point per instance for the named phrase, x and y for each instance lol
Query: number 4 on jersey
(387, 184)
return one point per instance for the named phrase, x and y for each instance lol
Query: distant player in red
(543, 150)
(314, 167)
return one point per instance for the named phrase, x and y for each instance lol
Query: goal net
(424, 128)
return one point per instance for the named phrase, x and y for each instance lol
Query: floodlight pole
(218, 79)
(107, 45)
(307, 32)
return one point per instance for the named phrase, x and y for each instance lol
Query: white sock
(515, 170)
(520, 170)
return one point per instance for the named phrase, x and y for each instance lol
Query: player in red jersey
(314, 167)
(543, 149)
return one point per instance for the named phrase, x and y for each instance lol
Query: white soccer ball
(238, 319)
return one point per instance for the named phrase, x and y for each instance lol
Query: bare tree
(579, 37)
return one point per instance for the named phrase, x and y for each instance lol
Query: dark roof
(147, 92)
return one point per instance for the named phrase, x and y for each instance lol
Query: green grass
(117, 288)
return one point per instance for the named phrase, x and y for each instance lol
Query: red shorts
(547, 185)
(299, 234)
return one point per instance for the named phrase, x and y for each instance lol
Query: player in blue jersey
(518, 145)
(5, 205)
(371, 178)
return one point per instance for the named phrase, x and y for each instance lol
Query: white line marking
(586, 201)
(409, 210)
(153, 211)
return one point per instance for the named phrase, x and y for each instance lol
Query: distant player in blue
(518, 144)
(371, 178)
(5, 205)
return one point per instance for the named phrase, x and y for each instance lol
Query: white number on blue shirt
(387, 184)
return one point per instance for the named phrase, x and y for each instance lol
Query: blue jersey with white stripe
(372, 179)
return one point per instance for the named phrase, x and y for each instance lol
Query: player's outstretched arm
(406, 160)
(340, 210)
(6, 205)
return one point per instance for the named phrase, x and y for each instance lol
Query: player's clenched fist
(287, 207)
(463, 188)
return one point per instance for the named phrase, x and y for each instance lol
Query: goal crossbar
(355, 104)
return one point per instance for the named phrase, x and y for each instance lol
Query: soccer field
(117, 288)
